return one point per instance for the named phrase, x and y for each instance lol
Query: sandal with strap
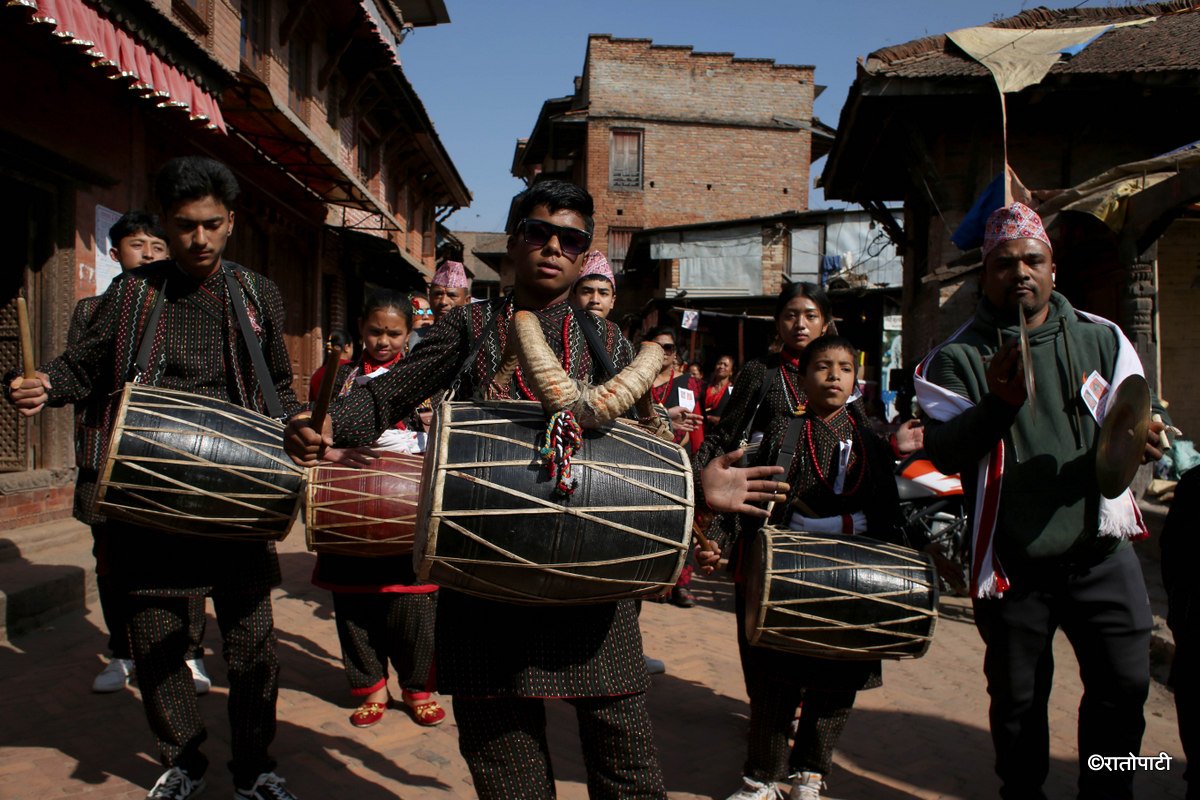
(424, 710)
(368, 714)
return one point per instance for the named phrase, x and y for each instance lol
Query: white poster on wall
(106, 267)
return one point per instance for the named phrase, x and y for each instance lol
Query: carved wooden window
(255, 35)
(299, 68)
(625, 160)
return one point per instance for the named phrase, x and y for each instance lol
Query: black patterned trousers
(504, 743)
(158, 633)
(114, 601)
(822, 719)
(377, 628)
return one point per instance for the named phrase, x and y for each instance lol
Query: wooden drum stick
(26, 338)
(325, 393)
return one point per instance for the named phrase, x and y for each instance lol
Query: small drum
(837, 596)
(492, 525)
(368, 512)
(195, 465)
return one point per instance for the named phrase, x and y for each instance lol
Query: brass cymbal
(1122, 441)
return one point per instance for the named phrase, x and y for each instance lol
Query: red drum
(369, 511)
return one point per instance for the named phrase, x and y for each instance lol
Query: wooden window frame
(626, 181)
(194, 13)
(254, 47)
(299, 95)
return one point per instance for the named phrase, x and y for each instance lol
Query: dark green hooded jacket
(1049, 502)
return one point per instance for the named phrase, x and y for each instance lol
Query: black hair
(661, 330)
(804, 289)
(823, 344)
(381, 299)
(555, 196)
(192, 178)
(135, 222)
(339, 339)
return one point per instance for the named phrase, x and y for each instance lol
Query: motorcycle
(935, 519)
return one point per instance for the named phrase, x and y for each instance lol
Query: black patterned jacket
(487, 648)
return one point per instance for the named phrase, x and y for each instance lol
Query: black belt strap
(787, 450)
(771, 375)
(142, 365)
(599, 354)
(265, 382)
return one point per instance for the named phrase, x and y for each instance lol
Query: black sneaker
(269, 786)
(175, 784)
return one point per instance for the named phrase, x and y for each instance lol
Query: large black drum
(838, 596)
(195, 465)
(492, 525)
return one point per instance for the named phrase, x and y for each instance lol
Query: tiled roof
(1172, 43)
(482, 242)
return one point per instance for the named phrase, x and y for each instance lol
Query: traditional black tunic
(487, 648)
(197, 349)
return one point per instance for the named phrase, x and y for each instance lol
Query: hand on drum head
(707, 560)
(355, 457)
(304, 444)
(729, 488)
(29, 394)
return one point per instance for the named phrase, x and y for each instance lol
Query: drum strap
(142, 365)
(265, 383)
(599, 354)
(763, 388)
(473, 353)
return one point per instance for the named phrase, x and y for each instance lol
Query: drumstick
(705, 542)
(1164, 443)
(325, 393)
(26, 338)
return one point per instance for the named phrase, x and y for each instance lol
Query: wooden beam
(292, 19)
(337, 48)
(354, 92)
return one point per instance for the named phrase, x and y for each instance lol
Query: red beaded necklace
(812, 455)
(794, 395)
(661, 398)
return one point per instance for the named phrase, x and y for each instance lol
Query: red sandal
(424, 710)
(368, 714)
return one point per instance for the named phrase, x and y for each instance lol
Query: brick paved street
(923, 735)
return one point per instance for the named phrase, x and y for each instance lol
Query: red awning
(124, 58)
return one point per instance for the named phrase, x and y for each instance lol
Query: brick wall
(712, 145)
(633, 77)
(1179, 335)
(36, 506)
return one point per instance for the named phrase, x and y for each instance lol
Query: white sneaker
(754, 790)
(654, 666)
(114, 677)
(806, 786)
(269, 786)
(175, 784)
(199, 675)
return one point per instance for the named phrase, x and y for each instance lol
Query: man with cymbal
(1017, 398)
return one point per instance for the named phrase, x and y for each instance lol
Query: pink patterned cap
(595, 265)
(1017, 221)
(452, 275)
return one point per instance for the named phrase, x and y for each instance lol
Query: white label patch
(687, 399)
(1095, 395)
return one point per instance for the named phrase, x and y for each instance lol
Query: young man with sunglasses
(500, 661)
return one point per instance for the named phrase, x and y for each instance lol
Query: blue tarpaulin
(969, 233)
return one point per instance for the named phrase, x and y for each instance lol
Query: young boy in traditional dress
(841, 479)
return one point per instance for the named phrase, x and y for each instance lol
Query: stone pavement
(923, 735)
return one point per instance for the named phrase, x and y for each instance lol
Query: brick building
(922, 125)
(663, 135)
(344, 178)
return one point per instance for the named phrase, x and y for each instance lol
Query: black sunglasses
(668, 347)
(571, 241)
